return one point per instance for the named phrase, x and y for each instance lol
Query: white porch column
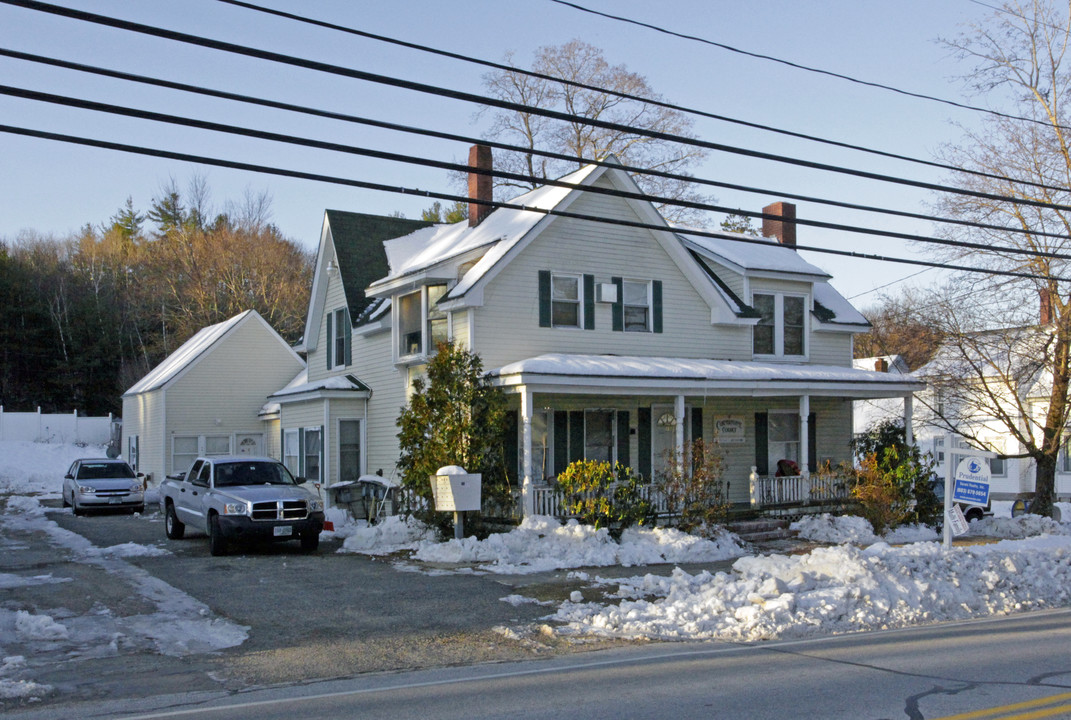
(805, 434)
(527, 495)
(678, 428)
(909, 428)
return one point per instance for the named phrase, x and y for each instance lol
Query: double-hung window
(565, 300)
(421, 324)
(636, 302)
(782, 327)
(339, 332)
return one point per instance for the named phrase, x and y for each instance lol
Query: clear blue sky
(54, 188)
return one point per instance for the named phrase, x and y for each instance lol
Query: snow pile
(835, 529)
(1018, 527)
(392, 534)
(38, 627)
(133, 550)
(835, 590)
(11, 689)
(38, 468)
(542, 543)
(857, 531)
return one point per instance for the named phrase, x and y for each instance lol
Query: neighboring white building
(204, 398)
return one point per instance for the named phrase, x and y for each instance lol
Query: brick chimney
(785, 228)
(881, 365)
(480, 185)
(1045, 312)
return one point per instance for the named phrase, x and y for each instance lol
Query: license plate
(115, 501)
(283, 530)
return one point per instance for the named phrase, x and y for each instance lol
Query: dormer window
(782, 329)
(421, 325)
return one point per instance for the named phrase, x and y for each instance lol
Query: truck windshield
(252, 473)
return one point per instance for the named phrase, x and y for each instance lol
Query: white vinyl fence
(55, 427)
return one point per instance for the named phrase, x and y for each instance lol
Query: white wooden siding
(317, 357)
(507, 326)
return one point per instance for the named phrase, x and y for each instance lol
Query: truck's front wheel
(217, 544)
(174, 527)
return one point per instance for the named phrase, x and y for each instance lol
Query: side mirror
(68, 476)
(301, 480)
(139, 475)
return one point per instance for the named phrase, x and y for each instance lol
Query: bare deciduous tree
(583, 63)
(1001, 362)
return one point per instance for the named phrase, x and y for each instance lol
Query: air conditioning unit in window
(606, 293)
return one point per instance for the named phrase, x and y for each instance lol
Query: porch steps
(762, 530)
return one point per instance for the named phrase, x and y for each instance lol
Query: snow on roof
(897, 364)
(691, 369)
(757, 254)
(426, 248)
(844, 313)
(335, 382)
(187, 353)
(271, 408)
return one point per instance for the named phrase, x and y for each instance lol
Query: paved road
(1010, 668)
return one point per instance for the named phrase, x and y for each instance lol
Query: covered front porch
(645, 413)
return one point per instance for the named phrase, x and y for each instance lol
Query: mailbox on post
(456, 491)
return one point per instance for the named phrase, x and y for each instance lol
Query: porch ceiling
(632, 375)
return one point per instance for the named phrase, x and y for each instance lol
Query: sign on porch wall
(729, 431)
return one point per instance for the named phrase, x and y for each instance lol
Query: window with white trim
(1065, 457)
(184, 450)
(636, 303)
(339, 341)
(292, 451)
(349, 449)
(566, 299)
(783, 438)
(782, 327)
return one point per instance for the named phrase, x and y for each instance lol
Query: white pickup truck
(241, 498)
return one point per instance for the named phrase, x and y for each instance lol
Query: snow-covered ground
(856, 581)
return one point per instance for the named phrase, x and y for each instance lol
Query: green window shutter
(349, 337)
(510, 445)
(576, 435)
(589, 302)
(282, 443)
(656, 302)
(544, 298)
(330, 341)
(643, 433)
(812, 443)
(561, 441)
(623, 438)
(618, 307)
(762, 452)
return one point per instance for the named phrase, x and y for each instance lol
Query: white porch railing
(795, 490)
(548, 500)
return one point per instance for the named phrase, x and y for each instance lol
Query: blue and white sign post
(970, 485)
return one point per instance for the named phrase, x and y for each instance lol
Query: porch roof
(301, 389)
(633, 375)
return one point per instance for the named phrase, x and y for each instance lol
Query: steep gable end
(358, 240)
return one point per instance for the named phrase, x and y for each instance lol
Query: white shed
(205, 398)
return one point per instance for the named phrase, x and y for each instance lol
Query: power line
(627, 96)
(450, 197)
(799, 66)
(495, 102)
(508, 147)
(456, 167)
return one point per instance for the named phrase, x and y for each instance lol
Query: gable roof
(359, 247)
(499, 232)
(197, 347)
(757, 254)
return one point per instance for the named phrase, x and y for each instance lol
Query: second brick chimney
(480, 184)
(1045, 312)
(784, 229)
